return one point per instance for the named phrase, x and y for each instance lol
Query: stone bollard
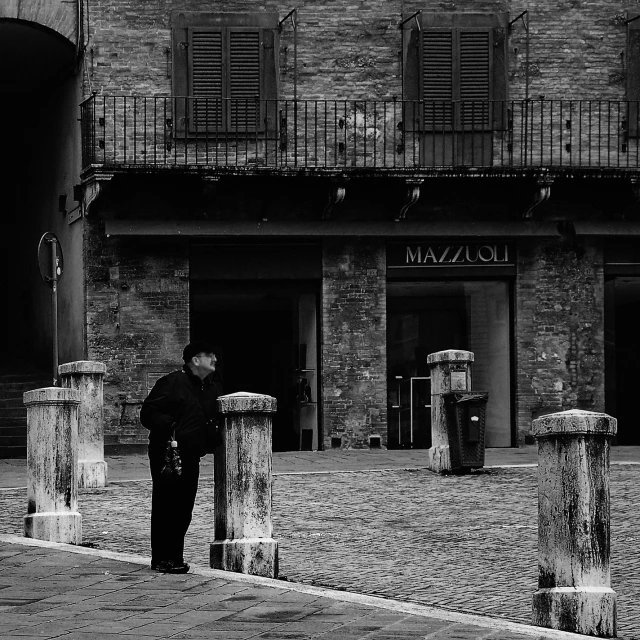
(242, 487)
(52, 465)
(574, 585)
(87, 377)
(450, 370)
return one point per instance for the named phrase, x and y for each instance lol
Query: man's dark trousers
(171, 505)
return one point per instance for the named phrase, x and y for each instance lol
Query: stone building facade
(332, 192)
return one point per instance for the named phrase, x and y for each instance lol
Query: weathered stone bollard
(574, 585)
(52, 465)
(450, 371)
(242, 487)
(87, 378)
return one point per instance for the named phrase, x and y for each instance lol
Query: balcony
(361, 137)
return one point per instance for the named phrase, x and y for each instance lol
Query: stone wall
(137, 293)
(354, 342)
(559, 330)
(58, 15)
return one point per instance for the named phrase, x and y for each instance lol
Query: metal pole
(54, 307)
(294, 21)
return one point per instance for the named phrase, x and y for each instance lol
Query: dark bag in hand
(172, 461)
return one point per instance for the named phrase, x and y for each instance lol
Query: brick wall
(351, 49)
(575, 48)
(559, 330)
(354, 342)
(137, 294)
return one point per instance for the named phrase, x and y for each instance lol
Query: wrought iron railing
(360, 134)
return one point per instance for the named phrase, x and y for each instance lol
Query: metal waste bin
(466, 411)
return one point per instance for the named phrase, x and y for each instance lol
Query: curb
(525, 465)
(496, 624)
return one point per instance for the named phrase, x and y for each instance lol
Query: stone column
(52, 465)
(574, 585)
(242, 487)
(87, 378)
(450, 370)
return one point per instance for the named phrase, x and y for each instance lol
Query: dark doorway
(416, 328)
(429, 316)
(622, 352)
(257, 331)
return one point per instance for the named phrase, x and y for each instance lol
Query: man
(181, 405)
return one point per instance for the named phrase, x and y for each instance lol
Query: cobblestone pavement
(467, 543)
(13, 471)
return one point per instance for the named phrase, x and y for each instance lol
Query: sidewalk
(57, 591)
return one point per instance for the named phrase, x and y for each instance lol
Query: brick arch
(56, 15)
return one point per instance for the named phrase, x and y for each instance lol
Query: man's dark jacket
(181, 402)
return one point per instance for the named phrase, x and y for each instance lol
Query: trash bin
(465, 413)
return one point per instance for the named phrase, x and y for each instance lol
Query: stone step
(11, 389)
(13, 430)
(13, 412)
(19, 421)
(11, 403)
(19, 440)
(13, 451)
(6, 376)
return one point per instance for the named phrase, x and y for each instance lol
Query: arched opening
(39, 97)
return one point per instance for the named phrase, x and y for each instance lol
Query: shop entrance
(425, 317)
(266, 342)
(622, 356)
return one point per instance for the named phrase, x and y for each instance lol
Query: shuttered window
(455, 72)
(225, 67)
(224, 79)
(456, 78)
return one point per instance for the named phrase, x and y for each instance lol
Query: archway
(39, 96)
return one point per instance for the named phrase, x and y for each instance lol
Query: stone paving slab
(136, 602)
(463, 543)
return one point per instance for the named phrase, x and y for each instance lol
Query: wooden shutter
(456, 79)
(180, 48)
(463, 57)
(206, 86)
(269, 79)
(499, 81)
(474, 83)
(437, 79)
(219, 58)
(633, 74)
(244, 68)
(411, 111)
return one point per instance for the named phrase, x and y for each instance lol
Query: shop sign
(447, 255)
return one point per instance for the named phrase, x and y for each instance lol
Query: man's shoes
(170, 566)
